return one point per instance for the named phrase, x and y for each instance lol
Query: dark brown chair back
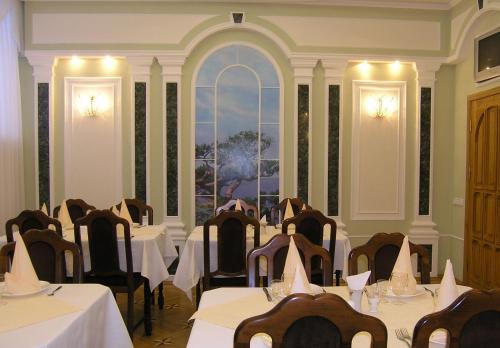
(231, 244)
(103, 243)
(296, 204)
(382, 251)
(275, 251)
(138, 209)
(47, 251)
(247, 209)
(28, 220)
(310, 223)
(472, 321)
(77, 208)
(303, 321)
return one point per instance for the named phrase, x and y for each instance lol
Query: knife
(269, 298)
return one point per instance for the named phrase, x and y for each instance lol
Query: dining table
(153, 251)
(77, 315)
(221, 310)
(190, 267)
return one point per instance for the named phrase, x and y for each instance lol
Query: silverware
(402, 335)
(54, 291)
(429, 290)
(324, 291)
(269, 298)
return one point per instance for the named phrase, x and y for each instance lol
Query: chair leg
(338, 274)
(153, 297)
(147, 309)
(160, 296)
(130, 313)
(198, 294)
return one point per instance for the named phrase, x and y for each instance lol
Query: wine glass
(399, 283)
(382, 285)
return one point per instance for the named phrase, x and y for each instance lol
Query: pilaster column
(140, 71)
(422, 229)
(172, 101)
(44, 127)
(334, 69)
(303, 67)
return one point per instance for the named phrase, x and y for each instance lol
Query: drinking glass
(399, 283)
(382, 285)
(277, 288)
(373, 294)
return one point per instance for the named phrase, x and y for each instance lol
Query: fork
(402, 335)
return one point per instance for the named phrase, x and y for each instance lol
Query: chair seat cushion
(115, 280)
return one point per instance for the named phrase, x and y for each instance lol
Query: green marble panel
(425, 150)
(333, 149)
(303, 142)
(43, 145)
(140, 141)
(171, 150)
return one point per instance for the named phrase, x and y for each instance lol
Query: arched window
(237, 136)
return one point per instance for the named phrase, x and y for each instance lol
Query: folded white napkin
(294, 272)
(22, 277)
(448, 291)
(403, 265)
(124, 213)
(115, 210)
(263, 220)
(238, 205)
(288, 211)
(44, 209)
(64, 217)
(358, 281)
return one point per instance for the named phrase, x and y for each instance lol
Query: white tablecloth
(207, 335)
(190, 268)
(98, 324)
(152, 252)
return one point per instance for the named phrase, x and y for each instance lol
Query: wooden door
(482, 223)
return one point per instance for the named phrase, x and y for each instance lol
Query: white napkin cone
(304, 207)
(115, 210)
(22, 277)
(294, 272)
(448, 291)
(124, 213)
(403, 265)
(44, 209)
(358, 281)
(64, 217)
(288, 211)
(263, 220)
(238, 205)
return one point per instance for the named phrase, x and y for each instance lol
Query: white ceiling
(415, 4)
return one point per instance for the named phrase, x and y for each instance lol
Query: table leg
(198, 293)
(160, 296)
(147, 309)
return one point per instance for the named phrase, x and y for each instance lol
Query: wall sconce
(91, 105)
(381, 106)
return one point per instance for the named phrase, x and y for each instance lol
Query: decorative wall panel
(43, 145)
(303, 143)
(140, 141)
(333, 149)
(425, 150)
(171, 150)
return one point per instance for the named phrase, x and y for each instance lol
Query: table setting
(37, 313)
(398, 304)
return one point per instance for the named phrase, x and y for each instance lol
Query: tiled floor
(170, 326)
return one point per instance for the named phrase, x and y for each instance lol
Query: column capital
(426, 72)
(334, 67)
(171, 65)
(140, 66)
(303, 66)
(42, 63)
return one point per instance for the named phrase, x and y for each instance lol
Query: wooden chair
(231, 269)
(303, 321)
(47, 251)
(311, 223)
(247, 209)
(275, 251)
(77, 208)
(296, 204)
(30, 219)
(382, 250)
(138, 209)
(105, 262)
(472, 320)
